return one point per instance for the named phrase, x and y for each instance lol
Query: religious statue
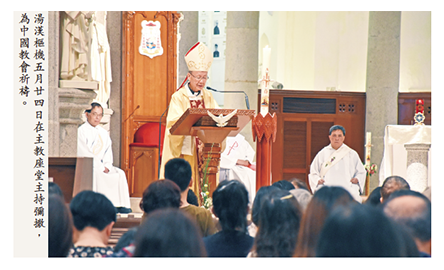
(75, 45)
(85, 51)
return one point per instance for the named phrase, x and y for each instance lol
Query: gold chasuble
(199, 59)
(176, 146)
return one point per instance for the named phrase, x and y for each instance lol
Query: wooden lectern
(197, 122)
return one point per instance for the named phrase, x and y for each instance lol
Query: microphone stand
(246, 96)
(160, 134)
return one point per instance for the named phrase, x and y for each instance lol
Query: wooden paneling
(407, 105)
(304, 119)
(147, 83)
(318, 138)
(144, 168)
(71, 174)
(294, 131)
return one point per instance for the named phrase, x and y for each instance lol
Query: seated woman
(261, 193)
(278, 225)
(169, 233)
(363, 231)
(322, 203)
(158, 195)
(94, 216)
(230, 205)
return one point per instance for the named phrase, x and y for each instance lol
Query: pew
(71, 174)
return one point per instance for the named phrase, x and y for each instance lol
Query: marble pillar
(417, 165)
(114, 32)
(241, 62)
(53, 81)
(382, 85)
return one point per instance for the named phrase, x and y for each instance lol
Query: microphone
(138, 106)
(247, 102)
(160, 134)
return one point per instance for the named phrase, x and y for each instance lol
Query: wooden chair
(144, 157)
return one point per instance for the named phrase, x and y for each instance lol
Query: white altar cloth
(394, 160)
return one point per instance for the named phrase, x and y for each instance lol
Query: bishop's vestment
(178, 146)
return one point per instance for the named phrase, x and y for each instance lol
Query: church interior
(365, 70)
(373, 76)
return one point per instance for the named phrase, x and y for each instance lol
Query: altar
(407, 153)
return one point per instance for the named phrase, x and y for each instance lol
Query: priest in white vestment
(94, 141)
(338, 165)
(236, 163)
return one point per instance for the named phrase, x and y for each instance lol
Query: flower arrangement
(207, 201)
(371, 169)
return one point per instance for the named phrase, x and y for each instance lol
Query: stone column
(382, 79)
(72, 104)
(114, 32)
(53, 83)
(241, 62)
(417, 165)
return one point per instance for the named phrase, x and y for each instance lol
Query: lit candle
(265, 80)
(368, 146)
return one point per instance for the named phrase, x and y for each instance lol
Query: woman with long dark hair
(278, 225)
(169, 232)
(230, 205)
(321, 204)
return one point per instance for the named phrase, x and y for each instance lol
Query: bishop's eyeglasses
(204, 78)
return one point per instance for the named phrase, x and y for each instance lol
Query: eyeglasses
(96, 114)
(200, 78)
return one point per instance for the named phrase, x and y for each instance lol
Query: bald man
(392, 184)
(412, 210)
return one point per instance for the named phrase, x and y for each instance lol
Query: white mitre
(199, 58)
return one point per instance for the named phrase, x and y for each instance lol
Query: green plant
(207, 201)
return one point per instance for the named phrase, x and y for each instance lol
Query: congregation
(285, 220)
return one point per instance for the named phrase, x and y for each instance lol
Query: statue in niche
(216, 52)
(75, 45)
(216, 28)
(85, 51)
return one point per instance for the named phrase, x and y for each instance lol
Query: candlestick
(368, 146)
(265, 80)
